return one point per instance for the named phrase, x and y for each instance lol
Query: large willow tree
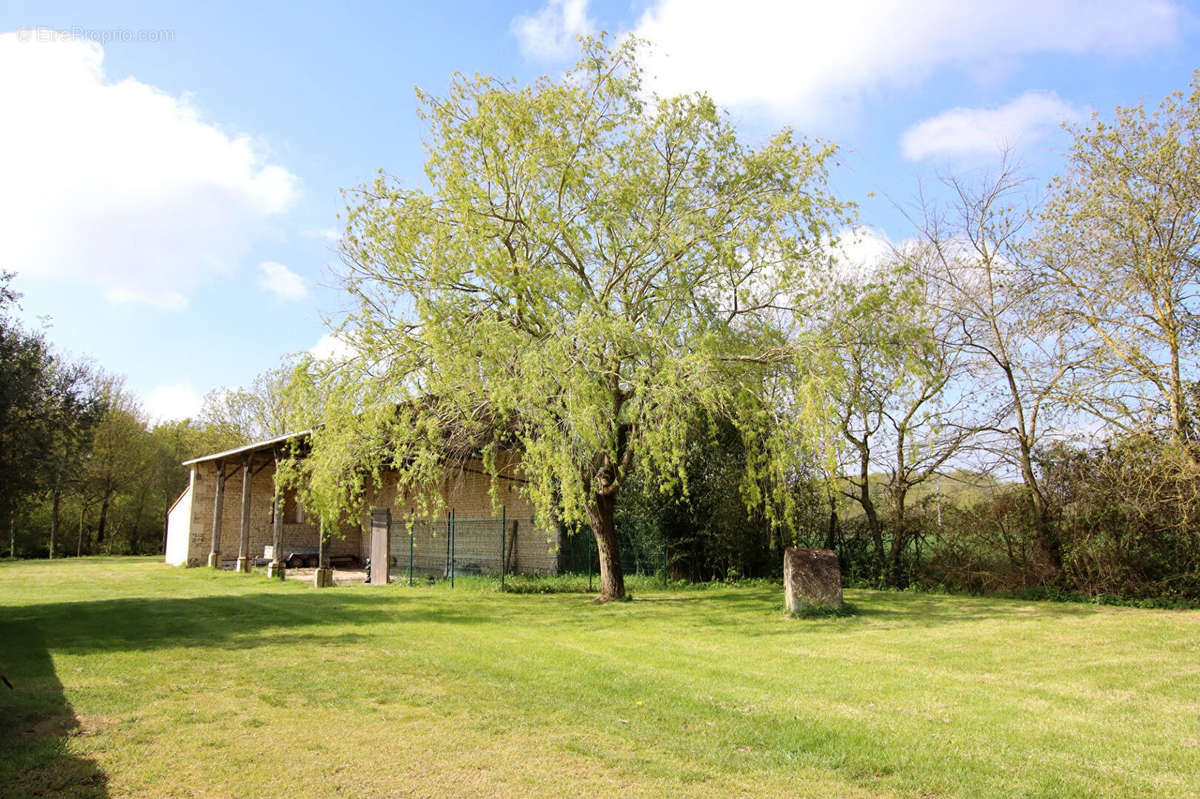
(589, 268)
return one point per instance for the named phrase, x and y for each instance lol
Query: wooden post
(512, 564)
(275, 567)
(381, 555)
(244, 564)
(214, 553)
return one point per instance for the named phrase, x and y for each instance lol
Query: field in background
(136, 679)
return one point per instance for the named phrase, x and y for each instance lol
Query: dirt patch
(340, 576)
(58, 725)
(50, 726)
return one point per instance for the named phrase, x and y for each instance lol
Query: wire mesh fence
(498, 546)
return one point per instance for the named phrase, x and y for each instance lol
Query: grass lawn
(137, 679)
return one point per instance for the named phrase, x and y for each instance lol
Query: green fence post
(503, 535)
(589, 566)
(411, 535)
(452, 547)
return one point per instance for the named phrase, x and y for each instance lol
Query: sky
(171, 177)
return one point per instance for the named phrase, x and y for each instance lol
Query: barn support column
(244, 564)
(214, 553)
(275, 568)
(381, 523)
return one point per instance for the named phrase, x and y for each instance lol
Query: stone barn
(227, 517)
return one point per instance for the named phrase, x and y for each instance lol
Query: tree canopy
(1120, 238)
(589, 268)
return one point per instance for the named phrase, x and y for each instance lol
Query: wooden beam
(275, 569)
(244, 564)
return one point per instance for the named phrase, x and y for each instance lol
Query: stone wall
(296, 535)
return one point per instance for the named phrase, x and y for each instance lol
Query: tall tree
(121, 452)
(26, 395)
(979, 273)
(76, 406)
(1120, 236)
(894, 416)
(588, 266)
(259, 411)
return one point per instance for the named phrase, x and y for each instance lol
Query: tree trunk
(79, 541)
(1043, 531)
(604, 528)
(899, 536)
(831, 533)
(103, 519)
(868, 506)
(55, 503)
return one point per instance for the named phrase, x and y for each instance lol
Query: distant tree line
(83, 469)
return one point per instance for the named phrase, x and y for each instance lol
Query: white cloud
(281, 281)
(859, 252)
(813, 62)
(174, 401)
(332, 347)
(118, 183)
(324, 234)
(550, 34)
(963, 133)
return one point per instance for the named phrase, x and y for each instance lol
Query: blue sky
(170, 177)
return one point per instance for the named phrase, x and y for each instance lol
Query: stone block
(323, 578)
(811, 577)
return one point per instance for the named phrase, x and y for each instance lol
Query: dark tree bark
(55, 504)
(103, 518)
(602, 517)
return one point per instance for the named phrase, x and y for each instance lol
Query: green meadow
(135, 679)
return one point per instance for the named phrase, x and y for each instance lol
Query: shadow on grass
(36, 721)
(37, 724)
(237, 621)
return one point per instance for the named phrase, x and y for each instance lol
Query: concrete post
(244, 564)
(214, 554)
(381, 522)
(323, 577)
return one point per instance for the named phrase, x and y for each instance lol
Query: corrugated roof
(248, 448)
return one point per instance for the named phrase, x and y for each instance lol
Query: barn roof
(249, 448)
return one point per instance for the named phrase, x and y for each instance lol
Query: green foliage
(232, 417)
(709, 533)
(49, 410)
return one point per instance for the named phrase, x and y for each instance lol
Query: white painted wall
(179, 526)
